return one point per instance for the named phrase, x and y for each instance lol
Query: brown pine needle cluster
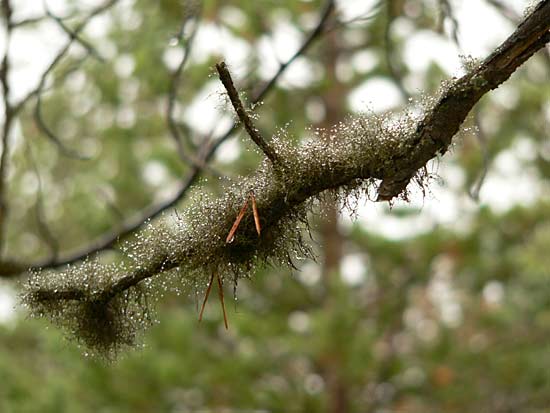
(230, 238)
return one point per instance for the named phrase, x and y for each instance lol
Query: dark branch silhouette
(13, 268)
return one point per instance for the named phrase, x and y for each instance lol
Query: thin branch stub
(252, 131)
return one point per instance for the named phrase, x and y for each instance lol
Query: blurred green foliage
(453, 319)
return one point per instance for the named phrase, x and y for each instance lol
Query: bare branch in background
(45, 129)
(28, 22)
(506, 11)
(39, 90)
(8, 122)
(175, 84)
(43, 228)
(389, 54)
(74, 35)
(206, 152)
(447, 12)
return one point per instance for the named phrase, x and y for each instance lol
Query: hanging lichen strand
(104, 305)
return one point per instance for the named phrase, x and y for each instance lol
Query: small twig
(175, 82)
(220, 293)
(43, 227)
(254, 134)
(41, 124)
(206, 296)
(319, 29)
(28, 22)
(73, 34)
(394, 72)
(45, 129)
(447, 12)
(231, 235)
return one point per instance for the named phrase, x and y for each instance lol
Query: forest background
(435, 304)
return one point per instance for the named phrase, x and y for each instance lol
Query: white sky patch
(506, 96)
(212, 40)
(442, 292)
(229, 151)
(481, 26)
(364, 61)
(32, 8)
(353, 269)
(309, 273)
(278, 47)
(99, 26)
(205, 109)
(285, 38)
(31, 51)
(493, 292)
(299, 322)
(210, 113)
(315, 109)
(233, 17)
(155, 173)
(377, 94)
(301, 74)
(352, 9)
(7, 304)
(172, 57)
(509, 182)
(445, 204)
(425, 47)
(124, 65)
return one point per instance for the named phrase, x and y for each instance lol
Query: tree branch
(368, 150)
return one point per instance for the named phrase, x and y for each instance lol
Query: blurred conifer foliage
(132, 197)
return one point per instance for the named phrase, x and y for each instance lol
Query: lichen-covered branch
(363, 153)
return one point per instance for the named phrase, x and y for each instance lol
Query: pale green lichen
(93, 303)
